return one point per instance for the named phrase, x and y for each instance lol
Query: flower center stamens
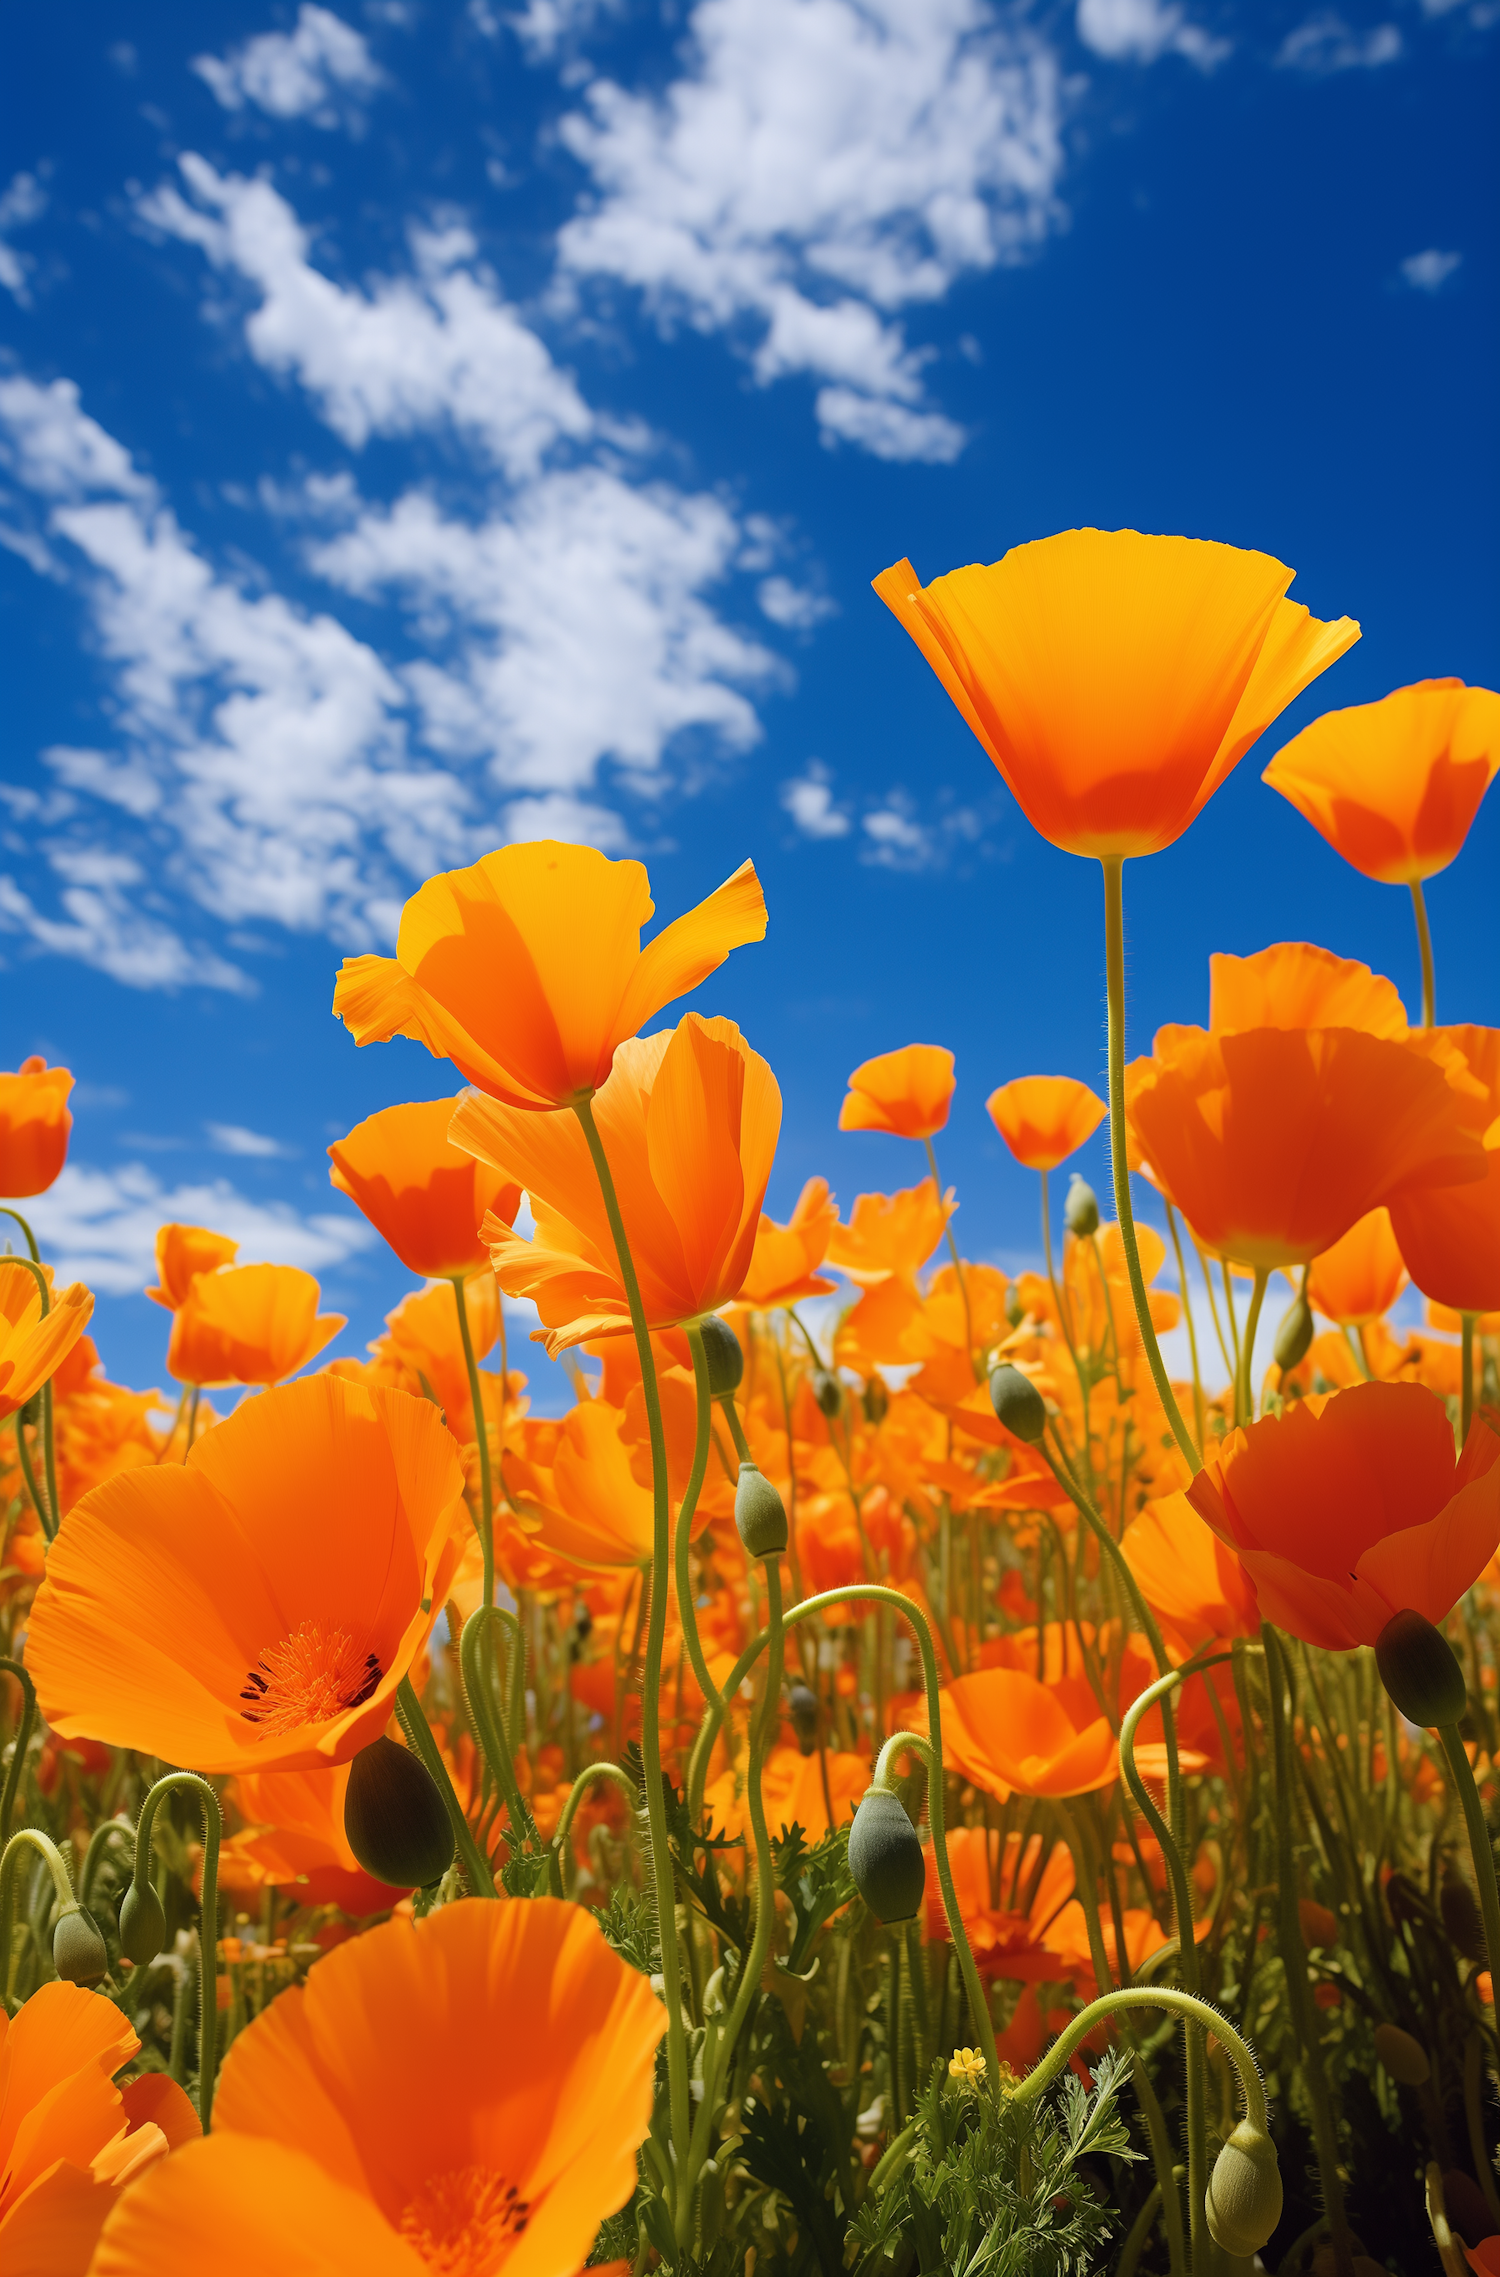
(316, 1672)
(462, 2223)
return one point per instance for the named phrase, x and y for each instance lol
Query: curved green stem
(488, 1721)
(1244, 1390)
(1481, 1849)
(682, 1573)
(26, 1838)
(108, 1830)
(414, 1723)
(7, 1212)
(20, 1746)
(1424, 945)
(1114, 945)
(482, 1436)
(586, 1778)
(1034, 2086)
(188, 1782)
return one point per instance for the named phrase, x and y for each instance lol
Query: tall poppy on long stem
(1115, 680)
(907, 1094)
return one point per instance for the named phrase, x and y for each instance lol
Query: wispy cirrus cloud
(1325, 43)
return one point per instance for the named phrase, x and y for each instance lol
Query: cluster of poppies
(438, 1836)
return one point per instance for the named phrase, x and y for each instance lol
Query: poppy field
(894, 1780)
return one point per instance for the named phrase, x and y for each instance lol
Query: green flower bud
(396, 1821)
(876, 1400)
(726, 1358)
(1018, 1404)
(1403, 2057)
(79, 1953)
(1294, 1335)
(1420, 1670)
(1015, 1311)
(827, 1391)
(1462, 1918)
(802, 1707)
(759, 1513)
(1081, 1209)
(143, 1925)
(885, 1856)
(1243, 2199)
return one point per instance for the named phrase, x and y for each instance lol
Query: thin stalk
(1037, 2081)
(19, 1747)
(682, 1569)
(488, 1722)
(1114, 943)
(1244, 1390)
(932, 1755)
(586, 1778)
(189, 1782)
(1424, 944)
(963, 1286)
(482, 1435)
(414, 1723)
(1200, 1421)
(28, 1838)
(1213, 1306)
(1481, 1849)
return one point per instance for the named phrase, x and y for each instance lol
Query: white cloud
(21, 203)
(1428, 272)
(233, 1138)
(791, 606)
(99, 1226)
(1326, 43)
(897, 841)
(1139, 31)
(808, 799)
(820, 166)
(577, 823)
(102, 924)
(545, 26)
(314, 72)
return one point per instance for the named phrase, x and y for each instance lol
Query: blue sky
(426, 424)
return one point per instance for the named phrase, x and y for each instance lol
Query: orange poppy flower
(1006, 1941)
(1395, 786)
(32, 1348)
(1361, 1276)
(255, 1607)
(792, 1792)
(293, 1838)
(34, 1126)
(1187, 1575)
(1294, 984)
(182, 1253)
(248, 1324)
(421, 1194)
(1274, 1141)
(70, 2140)
(1045, 1118)
(1350, 1506)
(596, 1512)
(689, 1122)
(906, 1093)
(535, 2049)
(563, 924)
(1451, 1241)
(890, 1235)
(1115, 679)
(1012, 1735)
(784, 1262)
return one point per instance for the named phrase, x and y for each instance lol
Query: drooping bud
(79, 1953)
(1081, 1209)
(396, 1821)
(1420, 1670)
(725, 1356)
(143, 1925)
(876, 1399)
(1403, 2057)
(1018, 1404)
(1243, 2199)
(885, 1857)
(802, 1707)
(1294, 1335)
(827, 1391)
(1461, 1917)
(759, 1513)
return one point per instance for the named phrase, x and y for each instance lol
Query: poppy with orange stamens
(33, 1344)
(535, 2048)
(563, 925)
(256, 1607)
(423, 1196)
(906, 1093)
(34, 1124)
(1045, 1118)
(1361, 1276)
(784, 1263)
(248, 1324)
(1350, 1507)
(689, 1122)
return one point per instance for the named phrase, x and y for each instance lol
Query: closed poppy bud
(1461, 1917)
(1420, 1670)
(79, 1953)
(1402, 2056)
(885, 1856)
(827, 1391)
(1294, 1335)
(395, 1819)
(143, 1925)
(1018, 1404)
(1081, 1209)
(876, 1400)
(759, 1513)
(802, 1707)
(726, 1359)
(1243, 2200)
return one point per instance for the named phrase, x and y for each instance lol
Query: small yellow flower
(967, 2067)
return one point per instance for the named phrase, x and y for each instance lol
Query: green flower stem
(20, 1746)
(661, 1568)
(1294, 1952)
(45, 1507)
(737, 1431)
(1481, 1849)
(49, 1436)
(1114, 945)
(580, 1787)
(1200, 1422)
(1424, 945)
(963, 1287)
(932, 1756)
(482, 1435)
(32, 1249)
(1037, 2081)
(1244, 1390)
(188, 1782)
(107, 1831)
(1466, 1400)
(26, 1838)
(487, 1719)
(682, 1570)
(414, 1723)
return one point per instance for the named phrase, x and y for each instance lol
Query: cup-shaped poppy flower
(562, 925)
(784, 1262)
(534, 2046)
(1274, 1141)
(34, 1124)
(1045, 1118)
(422, 1350)
(1451, 1241)
(1394, 786)
(1361, 1276)
(293, 1836)
(34, 1346)
(1014, 1736)
(907, 1093)
(70, 2140)
(255, 1607)
(1351, 1506)
(248, 1324)
(596, 1513)
(689, 1122)
(1295, 984)
(182, 1253)
(1115, 679)
(422, 1194)
(1187, 1575)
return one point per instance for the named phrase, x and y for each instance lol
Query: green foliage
(817, 1883)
